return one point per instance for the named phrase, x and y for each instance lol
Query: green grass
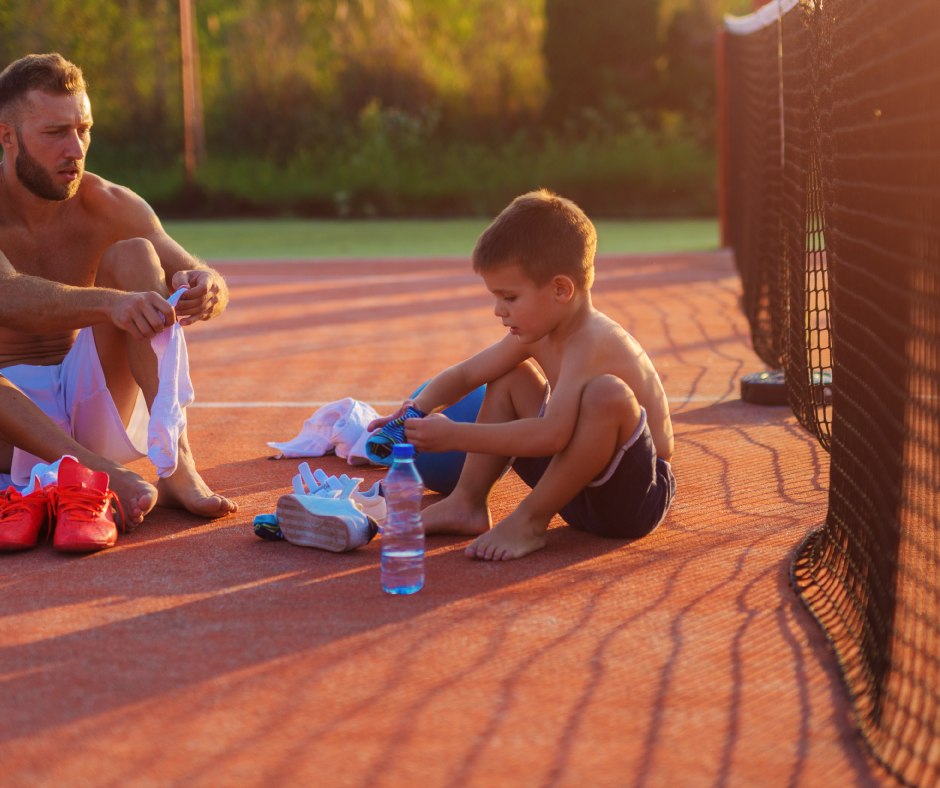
(293, 238)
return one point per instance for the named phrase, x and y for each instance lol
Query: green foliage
(392, 164)
(600, 52)
(128, 51)
(284, 76)
(336, 107)
(688, 63)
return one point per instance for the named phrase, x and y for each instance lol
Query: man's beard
(37, 179)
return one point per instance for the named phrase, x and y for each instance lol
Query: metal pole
(199, 129)
(192, 100)
(724, 157)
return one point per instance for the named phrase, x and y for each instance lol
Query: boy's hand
(432, 433)
(377, 424)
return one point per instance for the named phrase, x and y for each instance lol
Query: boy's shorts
(629, 501)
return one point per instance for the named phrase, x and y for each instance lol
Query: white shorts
(74, 395)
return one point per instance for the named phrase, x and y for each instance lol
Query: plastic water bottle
(403, 533)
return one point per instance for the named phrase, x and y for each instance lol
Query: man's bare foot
(456, 515)
(185, 489)
(137, 496)
(513, 537)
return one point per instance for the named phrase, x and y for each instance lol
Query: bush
(398, 107)
(393, 164)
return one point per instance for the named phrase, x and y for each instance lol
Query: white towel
(175, 394)
(41, 476)
(338, 427)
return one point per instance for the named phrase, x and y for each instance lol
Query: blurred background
(398, 108)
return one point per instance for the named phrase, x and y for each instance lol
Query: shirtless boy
(85, 271)
(597, 450)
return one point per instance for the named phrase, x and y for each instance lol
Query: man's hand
(142, 315)
(203, 300)
(433, 433)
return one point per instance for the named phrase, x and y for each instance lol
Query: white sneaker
(324, 517)
(372, 502)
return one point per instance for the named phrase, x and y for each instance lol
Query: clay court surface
(195, 654)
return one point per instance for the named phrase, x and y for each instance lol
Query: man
(85, 273)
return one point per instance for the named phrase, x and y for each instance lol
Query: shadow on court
(195, 654)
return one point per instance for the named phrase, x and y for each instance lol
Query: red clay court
(195, 654)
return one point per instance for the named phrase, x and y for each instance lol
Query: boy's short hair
(546, 235)
(51, 74)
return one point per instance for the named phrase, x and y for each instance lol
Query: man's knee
(132, 266)
(609, 395)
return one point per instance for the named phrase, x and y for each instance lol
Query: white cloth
(43, 475)
(175, 394)
(339, 427)
(75, 396)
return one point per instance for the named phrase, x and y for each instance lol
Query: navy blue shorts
(628, 502)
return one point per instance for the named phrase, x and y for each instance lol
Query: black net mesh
(754, 183)
(855, 213)
(806, 350)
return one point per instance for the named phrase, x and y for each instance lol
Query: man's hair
(545, 235)
(51, 74)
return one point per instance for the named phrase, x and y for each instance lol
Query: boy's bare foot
(456, 515)
(185, 489)
(511, 538)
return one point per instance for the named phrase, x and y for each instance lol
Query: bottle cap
(403, 451)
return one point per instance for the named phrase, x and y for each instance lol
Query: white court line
(380, 403)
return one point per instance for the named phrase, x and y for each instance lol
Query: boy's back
(600, 346)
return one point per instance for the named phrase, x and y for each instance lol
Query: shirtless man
(78, 252)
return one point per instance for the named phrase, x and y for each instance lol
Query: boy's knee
(609, 394)
(525, 374)
(132, 265)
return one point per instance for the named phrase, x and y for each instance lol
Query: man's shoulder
(124, 213)
(102, 197)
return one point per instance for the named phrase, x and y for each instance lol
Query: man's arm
(33, 305)
(207, 296)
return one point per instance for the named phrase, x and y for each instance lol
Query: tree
(689, 61)
(600, 52)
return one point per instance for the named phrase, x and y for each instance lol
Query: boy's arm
(522, 438)
(455, 382)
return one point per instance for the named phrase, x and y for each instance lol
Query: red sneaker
(82, 505)
(22, 518)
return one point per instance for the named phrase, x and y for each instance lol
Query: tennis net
(833, 211)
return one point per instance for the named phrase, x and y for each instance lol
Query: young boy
(597, 450)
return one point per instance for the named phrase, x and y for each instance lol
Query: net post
(721, 98)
